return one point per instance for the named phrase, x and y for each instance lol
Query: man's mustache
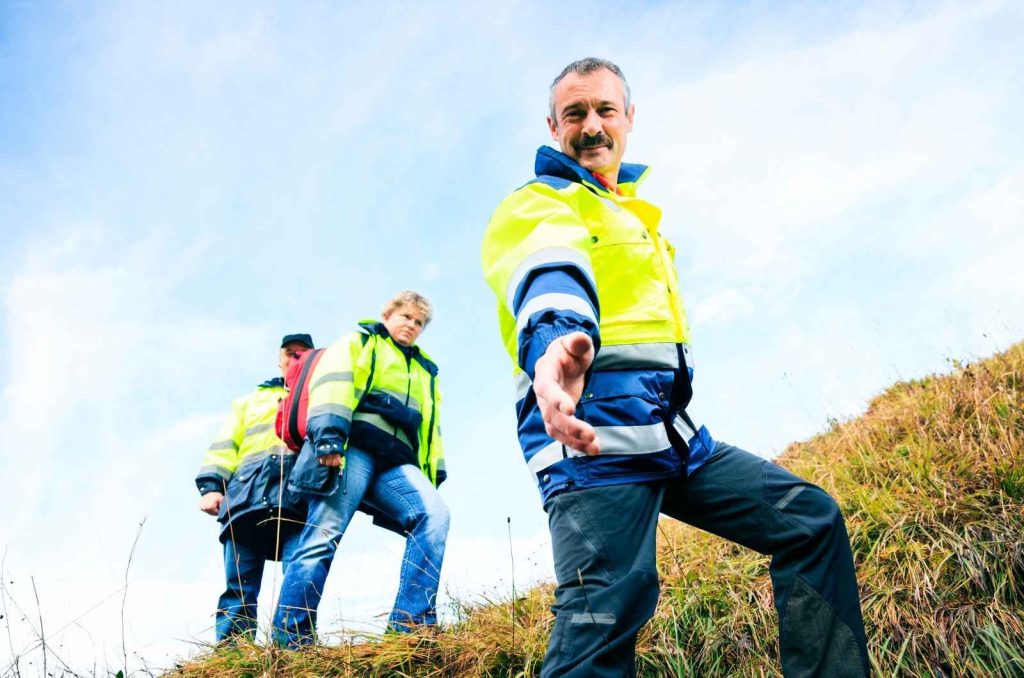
(597, 141)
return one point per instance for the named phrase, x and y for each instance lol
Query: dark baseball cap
(300, 338)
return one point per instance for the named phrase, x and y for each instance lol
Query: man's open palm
(558, 385)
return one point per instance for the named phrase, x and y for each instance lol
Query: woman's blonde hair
(409, 298)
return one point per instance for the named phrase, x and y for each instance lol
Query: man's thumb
(577, 344)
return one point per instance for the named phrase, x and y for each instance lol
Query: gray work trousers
(604, 546)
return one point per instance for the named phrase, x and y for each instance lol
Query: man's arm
(221, 460)
(536, 258)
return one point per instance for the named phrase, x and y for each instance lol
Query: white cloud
(721, 307)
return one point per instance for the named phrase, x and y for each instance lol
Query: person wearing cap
(242, 482)
(373, 443)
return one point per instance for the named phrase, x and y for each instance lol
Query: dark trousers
(604, 547)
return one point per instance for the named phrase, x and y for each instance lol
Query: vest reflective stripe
(332, 376)
(542, 257)
(659, 355)
(384, 425)
(556, 300)
(253, 430)
(523, 385)
(330, 408)
(216, 471)
(614, 440)
(683, 429)
(257, 458)
(223, 445)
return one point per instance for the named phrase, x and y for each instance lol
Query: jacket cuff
(546, 332)
(208, 485)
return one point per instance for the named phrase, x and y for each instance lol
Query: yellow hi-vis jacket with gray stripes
(248, 462)
(371, 393)
(565, 254)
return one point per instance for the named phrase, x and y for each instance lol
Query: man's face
(591, 121)
(289, 353)
(405, 324)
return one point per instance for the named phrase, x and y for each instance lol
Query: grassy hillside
(931, 480)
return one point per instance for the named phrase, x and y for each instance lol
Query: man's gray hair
(586, 67)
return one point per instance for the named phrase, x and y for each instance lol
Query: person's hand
(210, 503)
(558, 385)
(330, 460)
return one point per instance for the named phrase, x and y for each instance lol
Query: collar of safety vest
(554, 163)
(276, 382)
(378, 328)
(414, 351)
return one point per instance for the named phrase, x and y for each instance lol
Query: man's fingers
(578, 345)
(570, 431)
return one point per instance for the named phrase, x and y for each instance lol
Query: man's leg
(405, 495)
(236, 608)
(756, 503)
(306, 573)
(603, 541)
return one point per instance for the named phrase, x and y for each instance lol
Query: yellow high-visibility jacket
(371, 393)
(248, 462)
(564, 254)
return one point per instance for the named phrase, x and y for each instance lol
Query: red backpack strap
(295, 416)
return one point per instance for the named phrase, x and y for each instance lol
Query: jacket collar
(554, 163)
(378, 328)
(414, 351)
(276, 382)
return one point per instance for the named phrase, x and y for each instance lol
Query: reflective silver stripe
(215, 471)
(550, 454)
(688, 355)
(262, 428)
(523, 385)
(331, 377)
(556, 300)
(790, 496)
(330, 408)
(440, 465)
(662, 355)
(614, 440)
(413, 402)
(380, 422)
(593, 618)
(683, 429)
(548, 255)
(257, 458)
(223, 445)
(632, 439)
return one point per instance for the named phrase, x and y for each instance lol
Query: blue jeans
(405, 495)
(244, 558)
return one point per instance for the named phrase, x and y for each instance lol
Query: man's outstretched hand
(558, 384)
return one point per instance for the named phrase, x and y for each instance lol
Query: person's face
(405, 324)
(591, 121)
(290, 352)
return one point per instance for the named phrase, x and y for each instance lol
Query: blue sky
(182, 184)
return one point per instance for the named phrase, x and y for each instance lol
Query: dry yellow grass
(931, 480)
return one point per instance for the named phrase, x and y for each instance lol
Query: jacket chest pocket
(631, 277)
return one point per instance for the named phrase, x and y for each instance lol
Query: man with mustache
(590, 313)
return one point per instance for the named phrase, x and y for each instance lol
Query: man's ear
(553, 128)
(629, 115)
